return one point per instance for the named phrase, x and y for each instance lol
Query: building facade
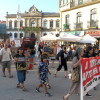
(46, 22)
(3, 34)
(80, 15)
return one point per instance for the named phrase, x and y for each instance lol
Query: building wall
(48, 21)
(85, 11)
(2, 28)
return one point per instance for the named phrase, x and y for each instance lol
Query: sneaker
(88, 95)
(4, 75)
(48, 94)
(37, 90)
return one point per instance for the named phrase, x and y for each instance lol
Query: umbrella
(70, 37)
(87, 39)
(49, 37)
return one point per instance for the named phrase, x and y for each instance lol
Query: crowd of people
(26, 59)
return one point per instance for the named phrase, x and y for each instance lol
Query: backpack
(57, 56)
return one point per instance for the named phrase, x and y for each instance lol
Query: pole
(18, 18)
(81, 86)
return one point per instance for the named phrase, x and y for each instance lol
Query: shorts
(6, 64)
(43, 79)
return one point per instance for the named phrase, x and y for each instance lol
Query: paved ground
(60, 87)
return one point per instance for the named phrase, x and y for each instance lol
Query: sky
(11, 6)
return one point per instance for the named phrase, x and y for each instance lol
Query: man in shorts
(5, 55)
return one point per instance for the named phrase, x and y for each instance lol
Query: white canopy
(70, 37)
(88, 39)
(49, 37)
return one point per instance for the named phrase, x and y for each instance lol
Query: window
(67, 19)
(45, 24)
(80, 2)
(15, 24)
(79, 16)
(93, 15)
(10, 34)
(33, 23)
(10, 24)
(15, 35)
(57, 23)
(21, 35)
(51, 24)
(21, 23)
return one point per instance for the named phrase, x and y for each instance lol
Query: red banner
(90, 73)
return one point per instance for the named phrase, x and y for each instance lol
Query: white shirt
(5, 53)
(58, 49)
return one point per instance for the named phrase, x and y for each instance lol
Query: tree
(29, 30)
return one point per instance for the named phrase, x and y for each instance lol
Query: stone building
(46, 22)
(80, 16)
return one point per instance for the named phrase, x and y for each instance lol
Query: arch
(32, 35)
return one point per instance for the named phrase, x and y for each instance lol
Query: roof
(2, 22)
(43, 14)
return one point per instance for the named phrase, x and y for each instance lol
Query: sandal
(64, 98)
(24, 89)
(18, 86)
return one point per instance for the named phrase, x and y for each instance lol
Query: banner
(90, 72)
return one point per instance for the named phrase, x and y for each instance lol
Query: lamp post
(18, 20)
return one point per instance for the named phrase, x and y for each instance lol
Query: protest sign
(90, 71)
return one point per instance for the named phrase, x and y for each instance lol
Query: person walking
(20, 62)
(75, 64)
(5, 55)
(62, 60)
(43, 75)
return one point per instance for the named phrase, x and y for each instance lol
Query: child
(43, 74)
(20, 62)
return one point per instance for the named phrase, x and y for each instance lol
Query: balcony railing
(78, 26)
(66, 27)
(93, 24)
(75, 3)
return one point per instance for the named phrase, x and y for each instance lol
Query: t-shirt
(43, 68)
(63, 55)
(5, 53)
(20, 64)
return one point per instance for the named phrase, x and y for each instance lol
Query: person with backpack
(62, 56)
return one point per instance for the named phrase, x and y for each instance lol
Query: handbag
(29, 66)
(75, 77)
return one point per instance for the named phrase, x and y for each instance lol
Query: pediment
(33, 9)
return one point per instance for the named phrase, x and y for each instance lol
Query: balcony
(92, 24)
(78, 26)
(66, 27)
(72, 4)
(79, 3)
